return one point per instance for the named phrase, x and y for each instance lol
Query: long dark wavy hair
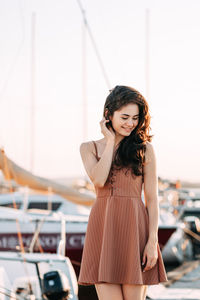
(131, 150)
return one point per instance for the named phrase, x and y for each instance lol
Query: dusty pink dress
(117, 233)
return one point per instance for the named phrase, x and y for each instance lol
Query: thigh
(109, 291)
(134, 291)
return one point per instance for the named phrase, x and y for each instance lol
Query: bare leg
(108, 291)
(134, 291)
(144, 292)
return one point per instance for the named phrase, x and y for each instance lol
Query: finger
(103, 121)
(151, 267)
(144, 258)
(148, 265)
(153, 263)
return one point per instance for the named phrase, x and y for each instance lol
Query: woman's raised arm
(97, 170)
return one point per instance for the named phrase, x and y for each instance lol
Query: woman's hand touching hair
(107, 132)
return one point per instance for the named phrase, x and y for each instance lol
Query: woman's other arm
(150, 254)
(151, 192)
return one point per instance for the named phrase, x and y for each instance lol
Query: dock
(183, 284)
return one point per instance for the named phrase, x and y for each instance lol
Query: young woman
(121, 254)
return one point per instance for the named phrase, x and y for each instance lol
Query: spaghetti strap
(96, 150)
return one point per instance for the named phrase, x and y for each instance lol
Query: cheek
(118, 123)
(136, 122)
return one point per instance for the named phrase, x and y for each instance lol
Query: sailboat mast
(84, 81)
(147, 63)
(32, 116)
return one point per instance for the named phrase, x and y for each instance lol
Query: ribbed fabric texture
(117, 233)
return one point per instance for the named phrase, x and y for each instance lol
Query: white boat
(42, 230)
(37, 276)
(56, 203)
(34, 209)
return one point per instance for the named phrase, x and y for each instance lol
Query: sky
(118, 28)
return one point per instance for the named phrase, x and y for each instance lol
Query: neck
(118, 139)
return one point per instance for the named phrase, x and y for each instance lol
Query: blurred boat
(25, 201)
(184, 244)
(75, 216)
(37, 276)
(57, 203)
(41, 231)
(167, 225)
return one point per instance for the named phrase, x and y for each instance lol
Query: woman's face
(125, 119)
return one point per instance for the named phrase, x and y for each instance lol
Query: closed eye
(127, 118)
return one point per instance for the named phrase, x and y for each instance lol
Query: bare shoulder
(87, 151)
(86, 146)
(150, 152)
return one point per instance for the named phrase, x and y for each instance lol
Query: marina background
(119, 31)
(58, 60)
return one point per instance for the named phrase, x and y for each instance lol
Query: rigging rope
(94, 45)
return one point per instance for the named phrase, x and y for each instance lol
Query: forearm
(101, 169)
(153, 212)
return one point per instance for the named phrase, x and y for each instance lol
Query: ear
(106, 112)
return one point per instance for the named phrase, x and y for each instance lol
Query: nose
(130, 123)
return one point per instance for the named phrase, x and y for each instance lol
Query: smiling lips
(127, 129)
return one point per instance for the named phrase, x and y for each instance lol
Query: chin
(124, 133)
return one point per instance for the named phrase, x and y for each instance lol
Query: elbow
(99, 184)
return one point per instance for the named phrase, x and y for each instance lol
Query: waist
(117, 191)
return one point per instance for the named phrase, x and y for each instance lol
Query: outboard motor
(55, 286)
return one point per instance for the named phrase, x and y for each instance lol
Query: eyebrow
(129, 115)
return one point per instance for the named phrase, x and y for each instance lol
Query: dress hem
(92, 283)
